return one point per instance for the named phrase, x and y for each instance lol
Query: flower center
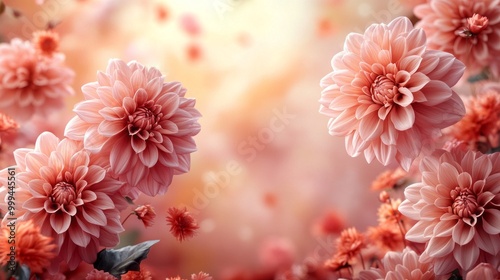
(144, 119)
(63, 193)
(383, 90)
(465, 203)
(473, 26)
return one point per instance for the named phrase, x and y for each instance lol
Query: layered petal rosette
(400, 265)
(388, 94)
(31, 83)
(142, 125)
(470, 30)
(61, 189)
(457, 209)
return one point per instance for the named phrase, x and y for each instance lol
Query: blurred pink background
(266, 169)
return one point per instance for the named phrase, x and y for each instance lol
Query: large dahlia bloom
(457, 208)
(468, 29)
(61, 189)
(30, 82)
(400, 265)
(388, 94)
(142, 125)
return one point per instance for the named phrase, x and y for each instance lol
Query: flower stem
(131, 213)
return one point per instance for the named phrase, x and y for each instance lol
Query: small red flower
(146, 214)
(182, 224)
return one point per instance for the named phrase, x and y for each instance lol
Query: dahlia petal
(87, 110)
(111, 128)
(449, 69)
(364, 110)
(69, 209)
(35, 161)
(400, 25)
(129, 105)
(46, 143)
(436, 92)
(89, 90)
(34, 204)
(180, 144)
(105, 94)
(88, 196)
(353, 42)
(343, 124)
(79, 237)
(445, 228)
(492, 182)
(398, 48)
(103, 201)
(138, 144)
(149, 156)
(407, 145)
(119, 157)
(169, 159)
(343, 102)
(403, 118)
(87, 227)
(75, 129)
(466, 255)
(136, 174)
(60, 222)
(93, 140)
(445, 265)
(416, 233)
(113, 113)
(154, 87)
(370, 127)
(440, 247)
(464, 180)
(354, 144)
(487, 243)
(491, 221)
(94, 215)
(184, 164)
(137, 80)
(169, 103)
(140, 96)
(448, 175)
(481, 168)
(463, 233)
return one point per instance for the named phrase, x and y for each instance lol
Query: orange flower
(389, 213)
(31, 247)
(386, 237)
(146, 214)
(137, 275)
(46, 42)
(350, 242)
(389, 179)
(99, 275)
(182, 224)
(201, 276)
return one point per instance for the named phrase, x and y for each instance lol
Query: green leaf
(119, 261)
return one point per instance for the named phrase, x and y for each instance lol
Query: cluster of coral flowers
(391, 95)
(470, 30)
(33, 77)
(456, 206)
(131, 135)
(141, 125)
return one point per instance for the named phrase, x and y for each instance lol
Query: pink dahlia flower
(457, 208)
(60, 189)
(468, 29)
(30, 82)
(400, 265)
(388, 94)
(142, 125)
